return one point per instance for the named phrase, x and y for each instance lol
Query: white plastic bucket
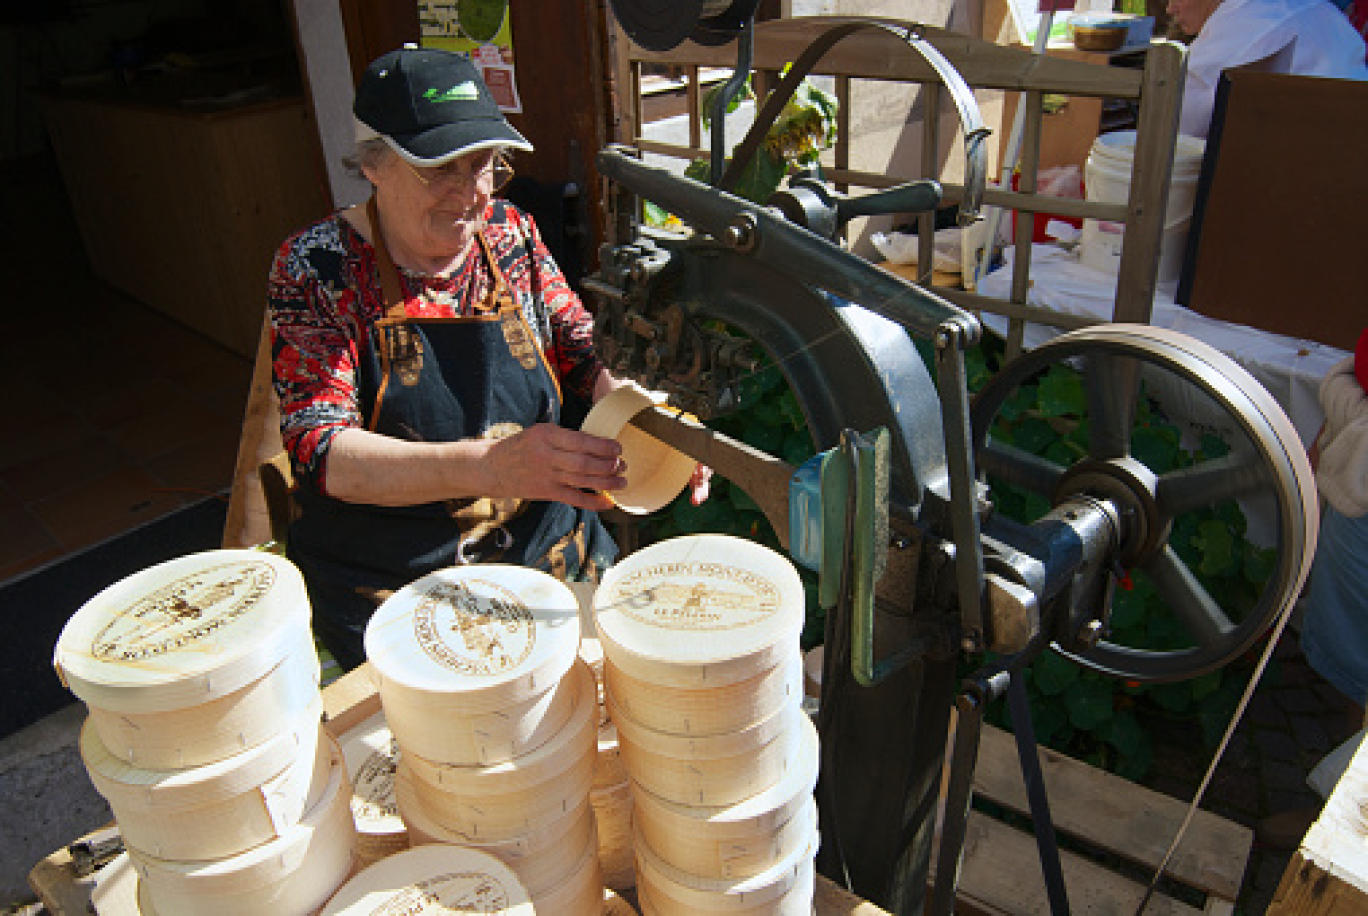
(1107, 176)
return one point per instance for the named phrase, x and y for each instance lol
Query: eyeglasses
(459, 174)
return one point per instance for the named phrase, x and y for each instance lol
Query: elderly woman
(1307, 37)
(425, 348)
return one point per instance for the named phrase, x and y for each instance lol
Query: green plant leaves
(1061, 393)
(1053, 674)
(1089, 702)
(1216, 545)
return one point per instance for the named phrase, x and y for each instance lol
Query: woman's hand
(551, 462)
(700, 484)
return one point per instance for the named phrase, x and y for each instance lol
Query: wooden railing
(877, 54)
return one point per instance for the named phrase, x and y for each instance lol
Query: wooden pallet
(1120, 831)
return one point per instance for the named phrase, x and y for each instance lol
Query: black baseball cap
(431, 106)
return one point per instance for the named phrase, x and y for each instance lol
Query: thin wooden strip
(1156, 136)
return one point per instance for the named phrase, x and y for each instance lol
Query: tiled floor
(115, 414)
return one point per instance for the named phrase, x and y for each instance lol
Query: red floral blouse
(324, 293)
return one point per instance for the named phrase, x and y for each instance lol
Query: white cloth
(1291, 369)
(1342, 473)
(1318, 38)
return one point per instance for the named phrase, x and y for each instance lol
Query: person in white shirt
(1307, 37)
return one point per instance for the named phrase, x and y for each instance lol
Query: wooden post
(247, 523)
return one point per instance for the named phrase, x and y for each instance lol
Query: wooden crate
(1328, 874)
(1120, 831)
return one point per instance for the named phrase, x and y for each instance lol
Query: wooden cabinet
(183, 210)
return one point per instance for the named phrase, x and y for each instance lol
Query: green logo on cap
(461, 92)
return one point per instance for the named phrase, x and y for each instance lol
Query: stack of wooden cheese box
(611, 795)
(495, 719)
(372, 756)
(703, 672)
(204, 735)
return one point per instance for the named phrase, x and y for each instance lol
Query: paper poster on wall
(481, 30)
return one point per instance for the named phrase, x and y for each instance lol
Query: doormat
(34, 607)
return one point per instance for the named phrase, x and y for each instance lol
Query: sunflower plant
(804, 129)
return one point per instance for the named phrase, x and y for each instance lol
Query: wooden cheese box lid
(656, 472)
(786, 888)
(506, 799)
(218, 810)
(371, 755)
(295, 873)
(757, 816)
(473, 639)
(712, 711)
(700, 611)
(541, 858)
(432, 880)
(183, 632)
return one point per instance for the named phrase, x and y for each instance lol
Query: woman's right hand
(551, 462)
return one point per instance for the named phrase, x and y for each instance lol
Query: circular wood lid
(530, 773)
(183, 632)
(371, 756)
(432, 880)
(656, 472)
(316, 851)
(754, 816)
(475, 636)
(123, 784)
(699, 611)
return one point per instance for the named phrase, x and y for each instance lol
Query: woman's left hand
(700, 483)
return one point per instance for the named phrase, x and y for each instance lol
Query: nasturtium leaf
(797, 447)
(1206, 684)
(741, 500)
(1034, 435)
(1128, 609)
(1155, 447)
(1213, 446)
(1217, 547)
(1175, 697)
(1061, 393)
(1125, 733)
(1089, 703)
(1053, 673)
(767, 437)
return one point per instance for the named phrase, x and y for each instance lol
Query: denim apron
(481, 375)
